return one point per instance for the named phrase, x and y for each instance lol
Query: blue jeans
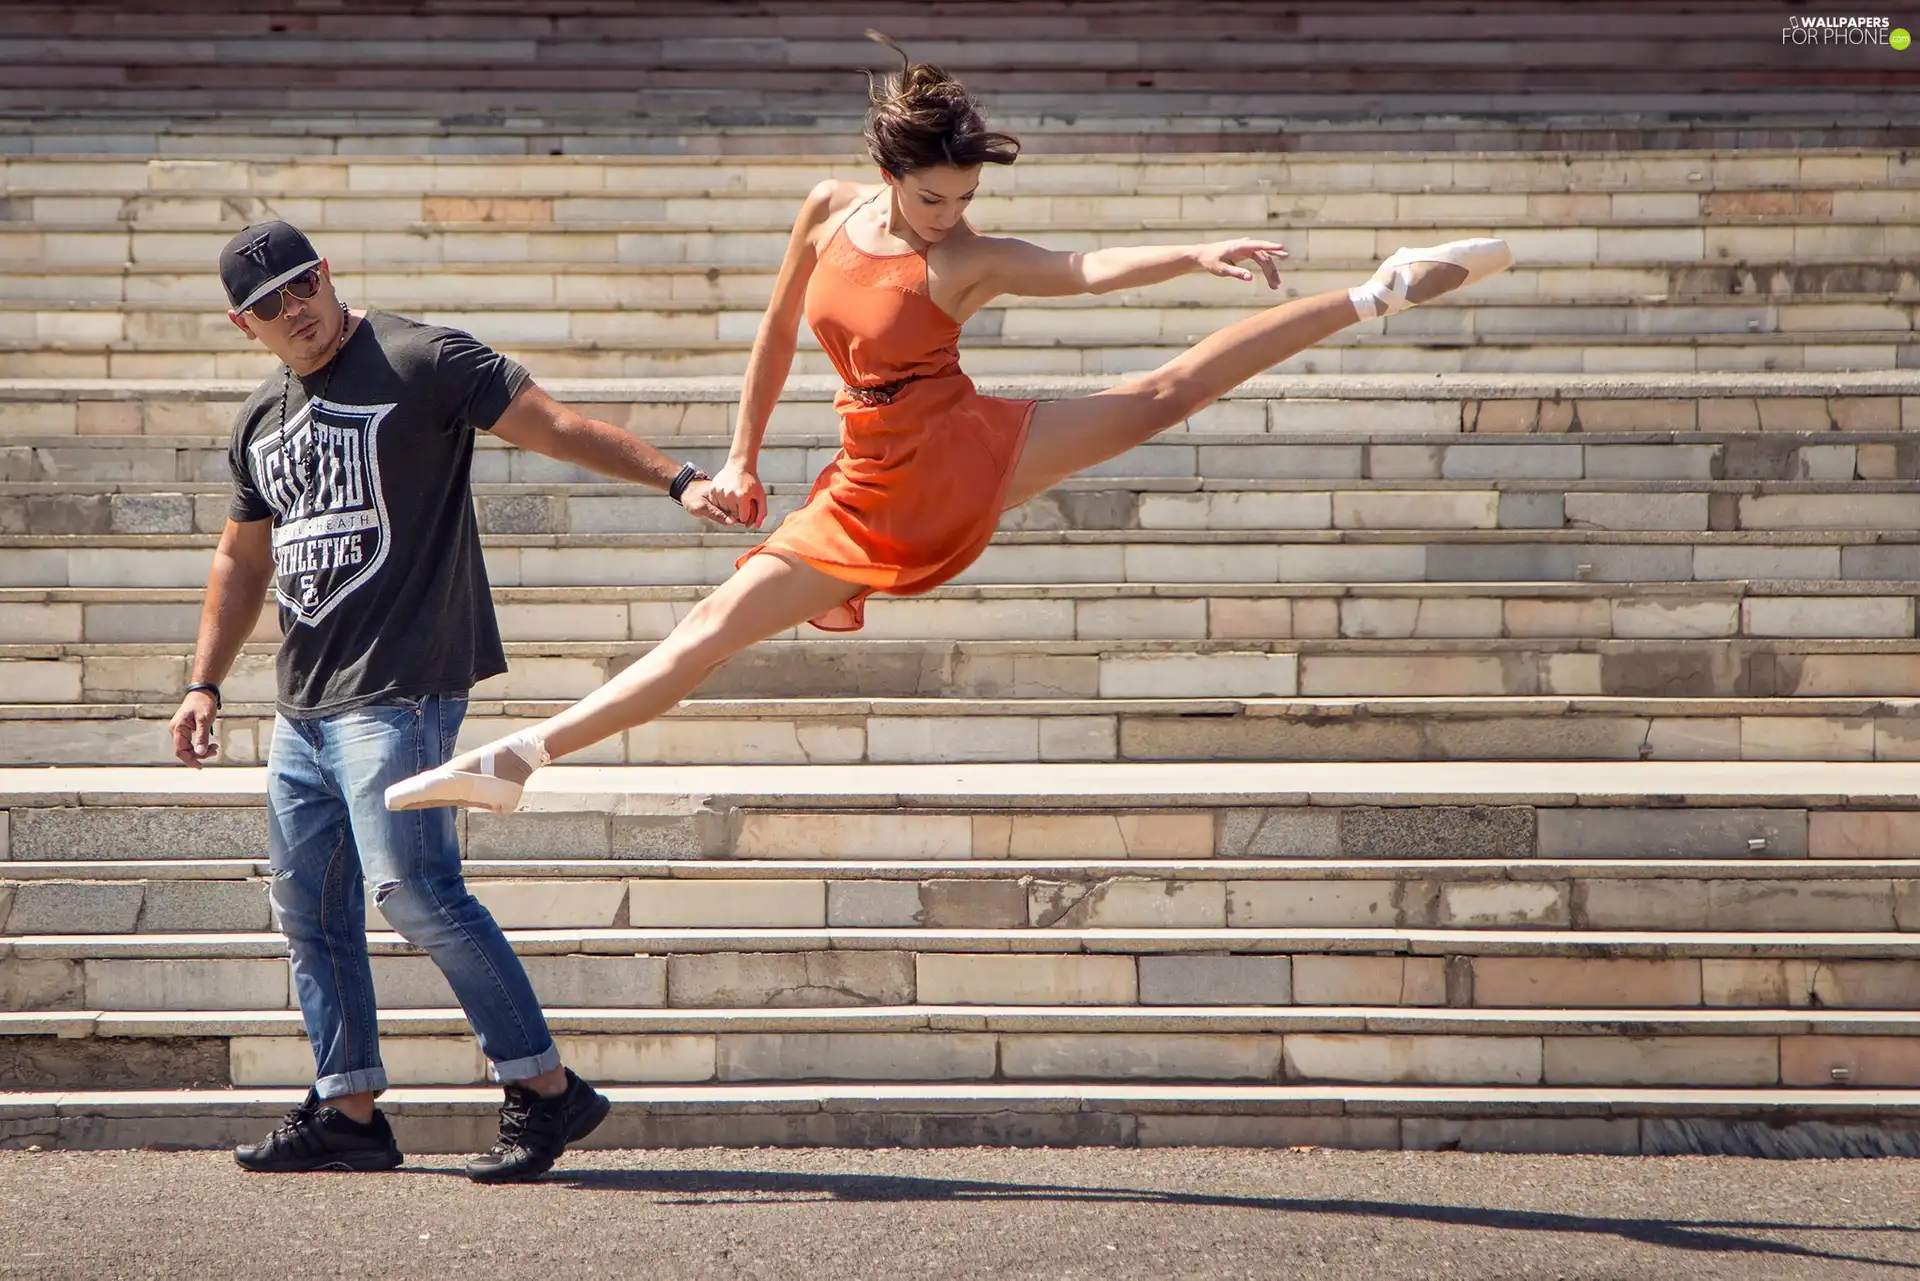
(333, 841)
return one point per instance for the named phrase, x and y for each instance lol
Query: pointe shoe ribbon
(486, 787)
(1386, 293)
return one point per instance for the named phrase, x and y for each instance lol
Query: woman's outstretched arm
(737, 489)
(1004, 265)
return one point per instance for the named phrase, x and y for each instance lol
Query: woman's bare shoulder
(828, 202)
(832, 197)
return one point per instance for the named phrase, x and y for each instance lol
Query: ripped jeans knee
(429, 911)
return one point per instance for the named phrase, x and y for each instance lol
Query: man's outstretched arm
(538, 422)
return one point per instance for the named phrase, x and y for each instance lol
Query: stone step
(1094, 556)
(1196, 457)
(1753, 282)
(1090, 188)
(1047, 75)
(719, 95)
(819, 731)
(1338, 239)
(133, 898)
(1162, 126)
(1444, 108)
(724, 968)
(798, 35)
(1618, 225)
(1134, 671)
(71, 506)
(1687, 353)
(1746, 171)
(1363, 1046)
(492, 865)
(715, 97)
(789, 33)
(1081, 173)
(694, 327)
(1365, 811)
(1351, 409)
(148, 623)
(1145, 50)
(1752, 181)
(1813, 1122)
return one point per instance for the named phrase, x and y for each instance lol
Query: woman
(886, 275)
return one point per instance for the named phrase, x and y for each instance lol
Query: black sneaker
(535, 1131)
(317, 1137)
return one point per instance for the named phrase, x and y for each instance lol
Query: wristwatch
(210, 688)
(688, 474)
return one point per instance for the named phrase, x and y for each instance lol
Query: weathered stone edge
(812, 387)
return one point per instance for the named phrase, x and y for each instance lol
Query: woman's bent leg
(766, 596)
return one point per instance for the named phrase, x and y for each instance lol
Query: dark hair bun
(920, 116)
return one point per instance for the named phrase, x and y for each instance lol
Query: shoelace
(303, 1139)
(294, 1125)
(517, 1118)
(514, 1118)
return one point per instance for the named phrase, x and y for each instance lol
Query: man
(351, 493)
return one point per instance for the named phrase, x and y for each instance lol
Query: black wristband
(688, 474)
(210, 688)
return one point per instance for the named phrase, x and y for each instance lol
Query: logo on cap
(257, 250)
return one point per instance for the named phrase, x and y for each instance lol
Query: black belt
(882, 394)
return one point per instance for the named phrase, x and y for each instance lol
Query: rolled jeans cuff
(358, 1081)
(522, 1069)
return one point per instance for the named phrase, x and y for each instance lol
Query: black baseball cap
(263, 257)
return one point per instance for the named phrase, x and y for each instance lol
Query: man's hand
(697, 498)
(192, 729)
(739, 493)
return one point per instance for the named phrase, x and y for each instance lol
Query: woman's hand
(737, 493)
(1220, 259)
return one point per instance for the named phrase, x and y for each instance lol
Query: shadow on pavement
(713, 1187)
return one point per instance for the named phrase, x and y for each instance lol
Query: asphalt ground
(967, 1213)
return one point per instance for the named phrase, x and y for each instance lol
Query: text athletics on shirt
(378, 571)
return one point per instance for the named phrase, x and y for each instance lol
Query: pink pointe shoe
(489, 779)
(1399, 284)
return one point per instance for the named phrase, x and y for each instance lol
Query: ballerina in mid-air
(886, 274)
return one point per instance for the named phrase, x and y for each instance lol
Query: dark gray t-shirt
(380, 580)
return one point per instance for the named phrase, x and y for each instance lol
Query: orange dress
(915, 492)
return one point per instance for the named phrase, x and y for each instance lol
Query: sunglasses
(303, 287)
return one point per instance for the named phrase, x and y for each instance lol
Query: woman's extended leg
(766, 596)
(1068, 436)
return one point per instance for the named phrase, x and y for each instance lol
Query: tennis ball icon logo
(1899, 38)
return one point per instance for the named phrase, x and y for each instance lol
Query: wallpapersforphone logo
(1822, 29)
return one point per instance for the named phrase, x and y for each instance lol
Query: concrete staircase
(414, 77)
(1624, 958)
(627, 267)
(1491, 731)
(1520, 567)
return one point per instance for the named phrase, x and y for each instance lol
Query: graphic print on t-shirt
(328, 542)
